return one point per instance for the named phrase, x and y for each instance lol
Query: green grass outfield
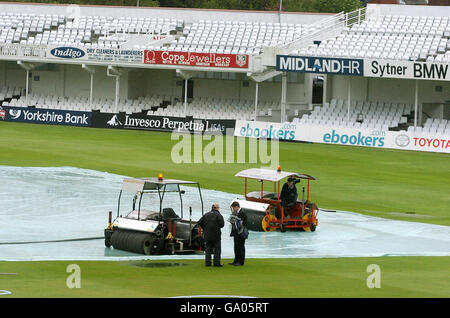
(394, 184)
(404, 185)
(287, 278)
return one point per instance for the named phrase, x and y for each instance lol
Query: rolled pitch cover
(130, 241)
(254, 219)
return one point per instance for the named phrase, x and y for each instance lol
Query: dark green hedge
(329, 6)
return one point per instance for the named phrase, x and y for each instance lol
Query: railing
(326, 28)
(355, 17)
(321, 29)
(23, 51)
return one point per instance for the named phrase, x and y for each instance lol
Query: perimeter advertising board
(96, 54)
(46, 116)
(161, 123)
(320, 65)
(343, 136)
(196, 59)
(406, 70)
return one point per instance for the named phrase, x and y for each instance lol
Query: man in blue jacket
(211, 223)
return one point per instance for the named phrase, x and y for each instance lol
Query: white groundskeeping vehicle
(154, 232)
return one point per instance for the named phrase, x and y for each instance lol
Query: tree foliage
(325, 6)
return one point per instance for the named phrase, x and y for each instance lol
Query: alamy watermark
(219, 148)
(374, 279)
(74, 279)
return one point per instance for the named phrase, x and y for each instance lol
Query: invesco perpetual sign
(310, 64)
(67, 52)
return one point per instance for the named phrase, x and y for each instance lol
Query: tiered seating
(216, 108)
(96, 31)
(82, 103)
(363, 115)
(236, 37)
(390, 37)
(7, 92)
(434, 126)
(202, 107)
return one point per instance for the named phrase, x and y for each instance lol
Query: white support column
(27, 67)
(117, 93)
(349, 94)
(90, 93)
(283, 97)
(91, 71)
(26, 88)
(416, 103)
(185, 97)
(256, 99)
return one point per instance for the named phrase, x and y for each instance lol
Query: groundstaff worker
(211, 224)
(289, 195)
(238, 221)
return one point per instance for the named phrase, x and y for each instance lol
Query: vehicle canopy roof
(143, 184)
(271, 175)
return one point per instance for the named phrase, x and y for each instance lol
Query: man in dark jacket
(239, 242)
(289, 195)
(211, 224)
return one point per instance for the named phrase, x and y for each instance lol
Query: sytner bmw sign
(380, 68)
(322, 65)
(406, 69)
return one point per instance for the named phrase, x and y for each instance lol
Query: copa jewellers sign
(321, 65)
(343, 136)
(406, 69)
(196, 59)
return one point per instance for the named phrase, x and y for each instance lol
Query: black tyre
(283, 227)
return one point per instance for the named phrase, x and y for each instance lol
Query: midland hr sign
(381, 68)
(320, 65)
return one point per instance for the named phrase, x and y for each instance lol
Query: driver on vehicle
(289, 195)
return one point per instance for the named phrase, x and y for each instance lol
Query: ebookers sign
(266, 130)
(160, 123)
(47, 116)
(196, 59)
(343, 136)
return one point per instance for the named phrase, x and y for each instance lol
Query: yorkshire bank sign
(196, 59)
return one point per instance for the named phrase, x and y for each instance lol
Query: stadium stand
(235, 37)
(103, 104)
(417, 38)
(211, 108)
(412, 37)
(8, 92)
(435, 126)
(371, 115)
(84, 31)
(205, 36)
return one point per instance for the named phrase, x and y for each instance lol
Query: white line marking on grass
(212, 296)
(5, 292)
